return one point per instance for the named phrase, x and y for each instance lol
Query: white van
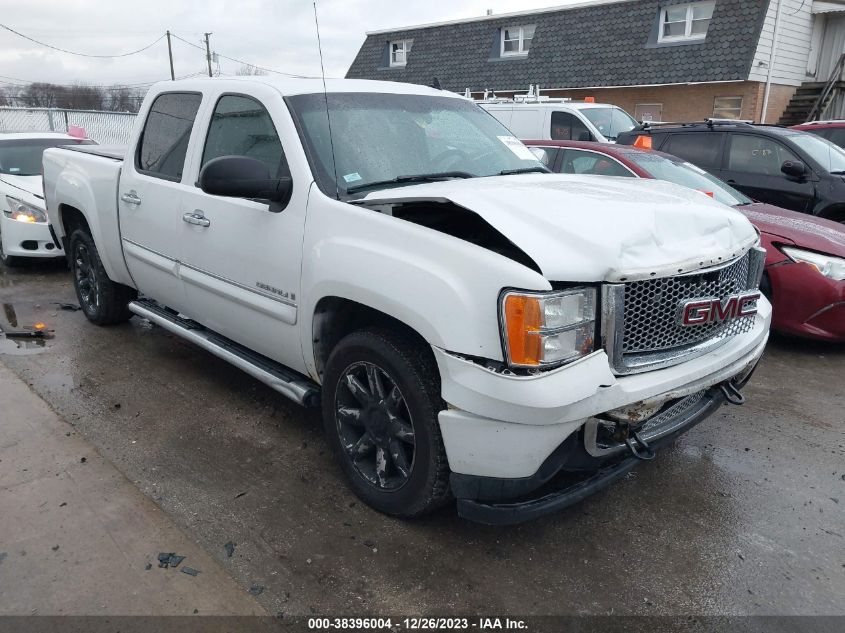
(544, 118)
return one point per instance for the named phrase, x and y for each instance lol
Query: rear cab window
(164, 140)
(699, 148)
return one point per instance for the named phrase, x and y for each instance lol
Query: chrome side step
(278, 377)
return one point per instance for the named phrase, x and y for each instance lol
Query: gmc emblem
(714, 310)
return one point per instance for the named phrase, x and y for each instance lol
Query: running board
(278, 377)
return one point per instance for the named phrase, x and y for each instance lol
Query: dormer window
(399, 52)
(685, 22)
(516, 40)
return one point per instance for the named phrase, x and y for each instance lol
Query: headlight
(828, 265)
(548, 328)
(23, 212)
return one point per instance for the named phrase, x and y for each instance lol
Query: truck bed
(114, 152)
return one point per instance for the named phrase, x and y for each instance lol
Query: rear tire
(381, 397)
(103, 301)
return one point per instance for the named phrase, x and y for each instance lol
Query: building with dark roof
(658, 59)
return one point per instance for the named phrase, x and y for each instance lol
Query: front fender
(443, 287)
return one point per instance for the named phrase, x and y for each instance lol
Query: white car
(561, 119)
(24, 231)
(471, 324)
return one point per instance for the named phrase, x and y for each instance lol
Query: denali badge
(713, 310)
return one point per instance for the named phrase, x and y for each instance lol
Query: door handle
(131, 197)
(197, 219)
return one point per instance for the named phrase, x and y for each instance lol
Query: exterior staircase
(804, 101)
(811, 100)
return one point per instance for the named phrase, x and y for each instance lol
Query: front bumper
(489, 501)
(504, 426)
(21, 239)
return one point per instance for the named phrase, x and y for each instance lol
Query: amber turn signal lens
(523, 321)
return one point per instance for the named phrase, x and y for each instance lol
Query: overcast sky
(278, 34)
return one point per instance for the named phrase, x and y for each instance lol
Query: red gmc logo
(713, 310)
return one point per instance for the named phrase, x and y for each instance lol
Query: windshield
(829, 156)
(22, 157)
(688, 175)
(611, 122)
(384, 137)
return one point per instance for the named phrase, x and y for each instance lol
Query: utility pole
(208, 53)
(170, 55)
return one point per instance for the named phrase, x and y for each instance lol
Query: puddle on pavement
(23, 320)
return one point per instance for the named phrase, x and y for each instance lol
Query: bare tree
(246, 69)
(39, 95)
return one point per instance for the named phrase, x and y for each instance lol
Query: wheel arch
(335, 317)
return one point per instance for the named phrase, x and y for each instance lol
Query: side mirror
(794, 169)
(243, 177)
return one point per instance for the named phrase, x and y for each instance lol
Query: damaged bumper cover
(507, 436)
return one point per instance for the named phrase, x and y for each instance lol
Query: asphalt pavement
(743, 515)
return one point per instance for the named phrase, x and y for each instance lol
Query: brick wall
(687, 102)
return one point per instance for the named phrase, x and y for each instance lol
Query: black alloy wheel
(374, 425)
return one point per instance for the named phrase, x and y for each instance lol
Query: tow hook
(732, 393)
(639, 447)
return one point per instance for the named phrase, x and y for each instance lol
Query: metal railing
(832, 84)
(107, 128)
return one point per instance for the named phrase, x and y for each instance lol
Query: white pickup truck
(472, 326)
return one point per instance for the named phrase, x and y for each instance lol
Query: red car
(833, 131)
(805, 255)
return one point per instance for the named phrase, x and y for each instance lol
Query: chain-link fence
(107, 128)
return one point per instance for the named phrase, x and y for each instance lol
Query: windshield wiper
(838, 172)
(433, 177)
(525, 170)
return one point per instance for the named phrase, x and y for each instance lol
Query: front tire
(103, 301)
(381, 397)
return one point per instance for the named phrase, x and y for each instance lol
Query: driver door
(240, 259)
(753, 166)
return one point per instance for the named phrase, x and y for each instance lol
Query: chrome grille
(640, 325)
(651, 308)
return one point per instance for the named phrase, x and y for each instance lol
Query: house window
(685, 21)
(516, 40)
(727, 108)
(399, 52)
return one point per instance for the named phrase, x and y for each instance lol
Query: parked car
(833, 131)
(787, 168)
(805, 256)
(401, 268)
(561, 119)
(24, 233)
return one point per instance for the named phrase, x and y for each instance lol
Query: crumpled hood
(596, 228)
(802, 229)
(23, 187)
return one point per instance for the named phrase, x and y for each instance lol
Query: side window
(241, 126)
(702, 148)
(837, 136)
(567, 127)
(164, 140)
(576, 161)
(757, 155)
(545, 155)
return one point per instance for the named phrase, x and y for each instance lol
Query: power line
(63, 50)
(239, 61)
